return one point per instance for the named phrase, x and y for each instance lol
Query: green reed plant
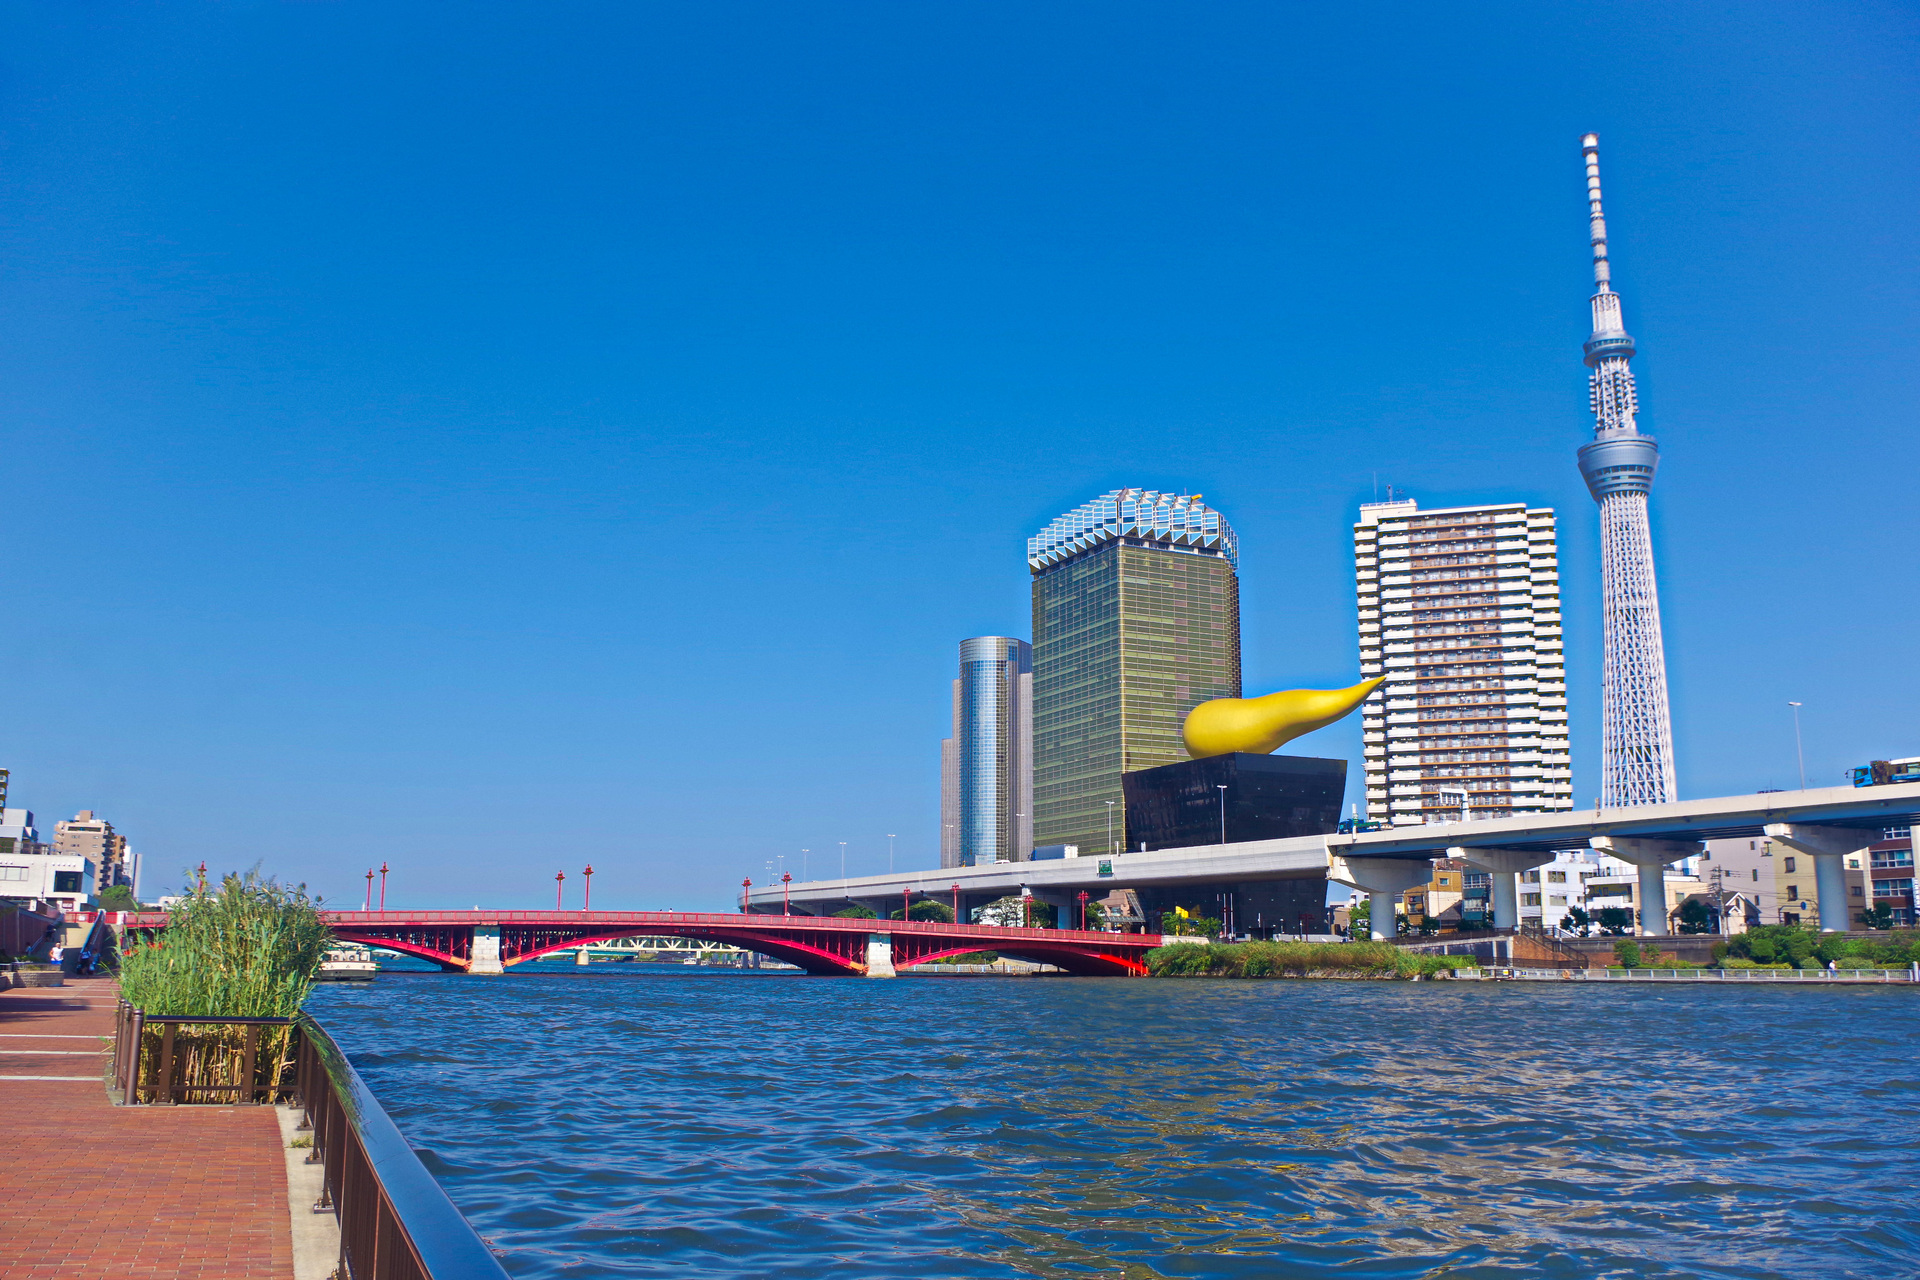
(1296, 960)
(248, 949)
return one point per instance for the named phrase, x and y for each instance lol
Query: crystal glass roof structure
(1173, 522)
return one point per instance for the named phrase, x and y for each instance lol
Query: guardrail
(1802, 976)
(396, 1223)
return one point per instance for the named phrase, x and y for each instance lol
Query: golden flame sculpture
(1260, 725)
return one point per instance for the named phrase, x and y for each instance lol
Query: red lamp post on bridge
(1083, 911)
(746, 886)
(786, 893)
(906, 905)
(383, 886)
(368, 904)
(559, 888)
(588, 873)
(956, 905)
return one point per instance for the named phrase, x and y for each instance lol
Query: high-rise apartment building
(93, 838)
(1136, 620)
(1460, 610)
(986, 767)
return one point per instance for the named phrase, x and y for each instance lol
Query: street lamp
(746, 887)
(1222, 789)
(1799, 754)
(956, 904)
(1083, 911)
(803, 862)
(368, 906)
(383, 883)
(559, 888)
(786, 893)
(843, 863)
(889, 853)
(1110, 848)
(589, 875)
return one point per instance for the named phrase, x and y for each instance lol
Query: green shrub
(856, 912)
(1626, 953)
(1296, 959)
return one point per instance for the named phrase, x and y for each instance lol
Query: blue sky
(495, 438)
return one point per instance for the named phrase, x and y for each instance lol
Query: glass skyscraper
(986, 767)
(1136, 621)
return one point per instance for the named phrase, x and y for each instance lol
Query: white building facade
(30, 872)
(1460, 611)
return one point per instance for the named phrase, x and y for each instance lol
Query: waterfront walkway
(91, 1189)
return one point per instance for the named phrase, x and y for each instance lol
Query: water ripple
(638, 1121)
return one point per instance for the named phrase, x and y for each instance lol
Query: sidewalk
(91, 1189)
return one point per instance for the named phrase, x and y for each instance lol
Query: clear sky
(493, 438)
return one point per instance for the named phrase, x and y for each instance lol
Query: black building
(1266, 798)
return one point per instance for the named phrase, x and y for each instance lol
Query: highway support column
(1381, 879)
(1652, 857)
(1829, 848)
(1505, 865)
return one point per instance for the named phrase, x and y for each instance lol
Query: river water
(630, 1120)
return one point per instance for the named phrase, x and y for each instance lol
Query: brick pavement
(91, 1189)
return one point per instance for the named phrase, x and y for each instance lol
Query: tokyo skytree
(1636, 732)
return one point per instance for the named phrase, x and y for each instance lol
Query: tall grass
(1296, 960)
(248, 949)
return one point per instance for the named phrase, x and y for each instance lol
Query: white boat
(347, 964)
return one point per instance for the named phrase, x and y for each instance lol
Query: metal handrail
(396, 1222)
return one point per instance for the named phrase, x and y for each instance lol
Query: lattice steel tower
(1636, 731)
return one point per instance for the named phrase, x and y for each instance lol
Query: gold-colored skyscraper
(1136, 621)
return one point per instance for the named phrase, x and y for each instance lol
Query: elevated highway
(1825, 822)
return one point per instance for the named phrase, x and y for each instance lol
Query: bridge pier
(1828, 847)
(1652, 857)
(880, 956)
(1382, 880)
(485, 956)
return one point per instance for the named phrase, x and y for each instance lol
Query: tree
(1359, 916)
(117, 897)
(1695, 917)
(1577, 922)
(857, 912)
(1626, 951)
(1877, 916)
(1614, 922)
(939, 912)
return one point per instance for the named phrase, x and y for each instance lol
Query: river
(629, 1120)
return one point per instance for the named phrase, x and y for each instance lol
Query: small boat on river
(347, 964)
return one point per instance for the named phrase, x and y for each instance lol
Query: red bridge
(492, 941)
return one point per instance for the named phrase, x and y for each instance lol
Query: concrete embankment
(92, 1189)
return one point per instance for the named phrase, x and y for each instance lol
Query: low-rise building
(1547, 893)
(1890, 872)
